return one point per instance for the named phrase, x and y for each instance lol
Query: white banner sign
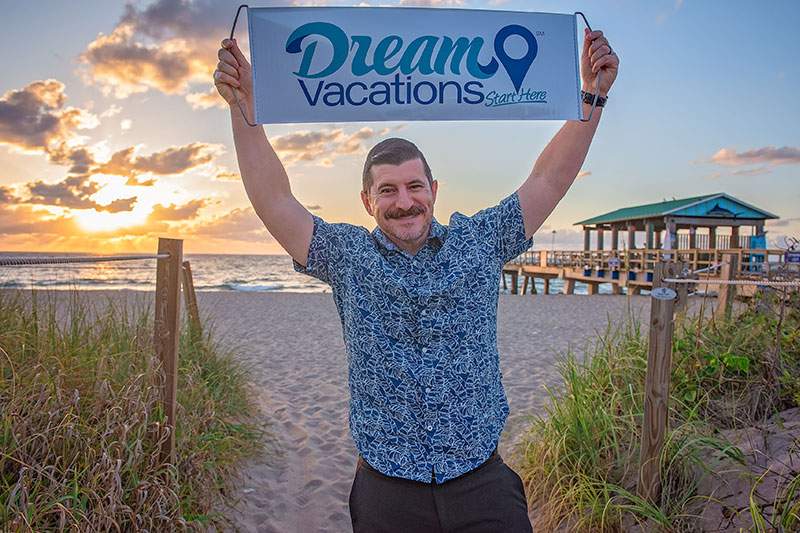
(342, 64)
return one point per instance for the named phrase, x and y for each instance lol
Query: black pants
(488, 499)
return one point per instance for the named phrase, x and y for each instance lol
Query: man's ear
(366, 202)
(434, 188)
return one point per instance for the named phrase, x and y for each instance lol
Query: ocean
(210, 272)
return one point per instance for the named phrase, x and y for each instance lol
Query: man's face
(401, 200)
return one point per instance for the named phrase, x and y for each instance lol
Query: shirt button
(425, 350)
(427, 389)
(430, 428)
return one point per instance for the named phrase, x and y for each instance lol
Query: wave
(116, 282)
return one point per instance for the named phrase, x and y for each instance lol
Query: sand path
(294, 348)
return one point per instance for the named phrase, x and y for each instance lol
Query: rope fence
(735, 282)
(172, 273)
(20, 260)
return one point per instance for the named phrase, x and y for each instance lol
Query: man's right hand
(233, 77)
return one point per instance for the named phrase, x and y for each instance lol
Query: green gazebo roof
(673, 207)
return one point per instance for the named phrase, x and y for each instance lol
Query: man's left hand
(598, 57)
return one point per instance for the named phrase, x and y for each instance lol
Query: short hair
(392, 151)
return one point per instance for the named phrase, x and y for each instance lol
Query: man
(418, 304)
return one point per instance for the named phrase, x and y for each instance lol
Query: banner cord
(238, 101)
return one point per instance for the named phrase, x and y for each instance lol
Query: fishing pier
(700, 232)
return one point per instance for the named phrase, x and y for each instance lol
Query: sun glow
(96, 221)
(113, 188)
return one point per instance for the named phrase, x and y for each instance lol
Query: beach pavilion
(688, 223)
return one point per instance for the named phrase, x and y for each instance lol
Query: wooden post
(547, 285)
(671, 236)
(514, 280)
(692, 237)
(712, 237)
(569, 286)
(682, 300)
(600, 234)
(167, 322)
(659, 360)
(631, 236)
(727, 292)
(587, 235)
(190, 299)
(734, 242)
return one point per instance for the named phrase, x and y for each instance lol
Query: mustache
(398, 213)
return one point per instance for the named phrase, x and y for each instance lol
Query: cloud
(26, 220)
(121, 66)
(782, 222)
(173, 160)
(314, 207)
(34, 119)
(225, 175)
(80, 158)
(584, 173)
(664, 15)
(751, 171)
(7, 196)
(188, 19)
(206, 100)
(762, 160)
(322, 145)
(111, 111)
(74, 192)
(769, 155)
(239, 224)
(167, 46)
(187, 211)
(125, 124)
(118, 205)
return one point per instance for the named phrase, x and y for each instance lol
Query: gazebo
(688, 215)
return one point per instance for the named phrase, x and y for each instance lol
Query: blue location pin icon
(516, 68)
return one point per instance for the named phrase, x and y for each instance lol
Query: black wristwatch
(589, 97)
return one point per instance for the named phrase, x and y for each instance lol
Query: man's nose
(404, 200)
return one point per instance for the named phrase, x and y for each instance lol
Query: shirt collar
(437, 232)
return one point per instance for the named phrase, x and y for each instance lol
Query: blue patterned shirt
(426, 398)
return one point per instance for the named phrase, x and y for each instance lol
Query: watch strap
(588, 98)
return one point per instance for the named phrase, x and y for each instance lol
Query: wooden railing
(751, 261)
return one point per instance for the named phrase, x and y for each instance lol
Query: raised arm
(263, 174)
(562, 158)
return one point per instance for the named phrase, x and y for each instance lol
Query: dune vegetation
(731, 380)
(81, 421)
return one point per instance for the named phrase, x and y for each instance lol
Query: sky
(112, 133)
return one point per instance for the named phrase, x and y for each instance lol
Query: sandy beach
(293, 345)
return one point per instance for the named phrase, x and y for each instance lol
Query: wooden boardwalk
(630, 271)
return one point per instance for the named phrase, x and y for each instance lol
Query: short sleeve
(326, 253)
(502, 225)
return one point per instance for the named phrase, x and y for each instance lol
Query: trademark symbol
(539, 34)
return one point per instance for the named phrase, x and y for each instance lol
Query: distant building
(690, 223)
